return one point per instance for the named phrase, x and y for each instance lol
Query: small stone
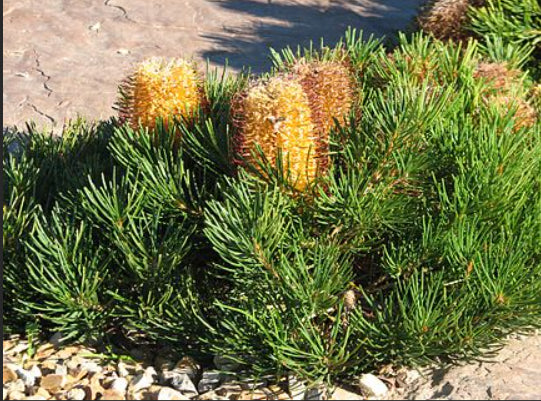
(120, 384)
(188, 366)
(52, 383)
(76, 394)
(167, 393)
(19, 348)
(229, 390)
(342, 394)
(109, 379)
(297, 388)
(183, 384)
(35, 397)
(371, 386)
(253, 384)
(211, 395)
(36, 371)
(350, 299)
(252, 395)
(27, 377)
(141, 381)
(91, 367)
(67, 352)
(94, 388)
(44, 393)
(48, 366)
(122, 369)
(150, 371)
(113, 395)
(8, 375)
(61, 370)
(17, 395)
(44, 352)
(17, 385)
(209, 381)
(74, 367)
(7, 345)
(316, 393)
(412, 376)
(123, 52)
(73, 363)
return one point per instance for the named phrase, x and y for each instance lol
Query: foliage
(420, 241)
(516, 23)
(513, 22)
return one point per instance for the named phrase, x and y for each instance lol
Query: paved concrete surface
(63, 57)
(514, 374)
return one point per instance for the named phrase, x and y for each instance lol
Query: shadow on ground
(270, 23)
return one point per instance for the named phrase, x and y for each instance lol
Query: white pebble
(167, 393)
(120, 384)
(371, 386)
(141, 382)
(122, 370)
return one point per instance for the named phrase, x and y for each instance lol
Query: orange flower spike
(161, 88)
(329, 89)
(276, 115)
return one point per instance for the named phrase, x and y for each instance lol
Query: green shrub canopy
(421, 241)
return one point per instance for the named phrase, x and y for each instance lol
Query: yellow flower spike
(329, 88)
(160, 88)
(275, 114)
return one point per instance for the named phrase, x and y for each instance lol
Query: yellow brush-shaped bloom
(276, 115)
(160, 88)
(329, 89)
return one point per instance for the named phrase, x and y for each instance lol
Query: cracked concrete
(513, 374)
(63, 58)
(47, 77)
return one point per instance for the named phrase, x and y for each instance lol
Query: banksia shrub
(160, 89)
(275, 115)
(421, 245)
